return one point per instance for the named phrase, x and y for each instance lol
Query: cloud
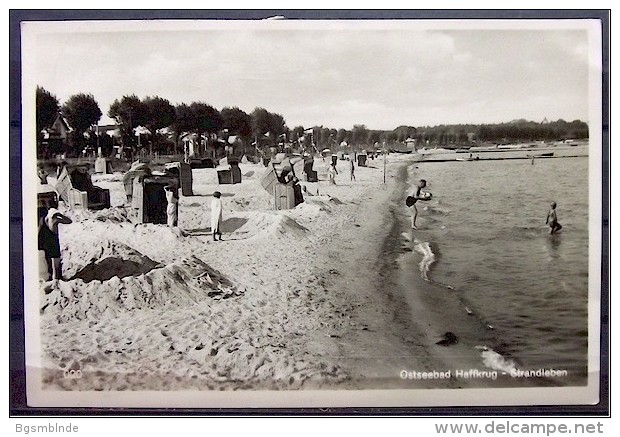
(333, 76)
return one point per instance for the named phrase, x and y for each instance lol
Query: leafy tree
(81, 111)
(159, 114)
(342, 135)
(359, 134)
(277, 126)
(325, 139)
(182, 123)
(237, 122)
(128, 113)
(391, 137)
(47, 108)
(205, 118)
(404, 132)
(374, 136)
(260, 124)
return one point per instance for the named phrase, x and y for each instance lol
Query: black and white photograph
(319, 213)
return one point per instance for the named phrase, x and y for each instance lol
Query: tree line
(514, 131)
(168, 124)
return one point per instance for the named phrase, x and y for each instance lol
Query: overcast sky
(335, 76)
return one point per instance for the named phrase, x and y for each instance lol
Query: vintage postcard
(317, 213)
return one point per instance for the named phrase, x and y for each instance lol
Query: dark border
(17, 370)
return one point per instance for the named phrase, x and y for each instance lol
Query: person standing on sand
(216, 215)
(352, 170)
(49, 242)
(332, 172)
(552, 220)
(417, 196)
(172, 210)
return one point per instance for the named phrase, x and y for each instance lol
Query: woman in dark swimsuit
(48, 240)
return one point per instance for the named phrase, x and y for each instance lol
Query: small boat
(542, 155)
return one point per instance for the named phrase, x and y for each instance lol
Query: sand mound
(180, 283)
(116, 214)
(314, 204)
(335, 200)
(289, 227)
(272, 225)
(258, 200)
(103, 261)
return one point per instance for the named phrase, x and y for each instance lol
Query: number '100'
(72, 374)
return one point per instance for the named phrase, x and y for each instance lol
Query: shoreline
(416, 314)
(444, 309)
(375, 357)
(323, 296)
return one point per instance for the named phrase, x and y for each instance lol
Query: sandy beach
(326, 295)
(466, 266)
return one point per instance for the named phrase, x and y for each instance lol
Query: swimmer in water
(552, 220)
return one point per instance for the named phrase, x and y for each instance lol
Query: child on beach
(552, 220)
(332, 172)
(352, 170)
(216, 215)
(172, 210)
(417, 196)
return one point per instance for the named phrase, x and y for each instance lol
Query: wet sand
(403, 315)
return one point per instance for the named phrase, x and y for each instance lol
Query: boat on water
(542, 155)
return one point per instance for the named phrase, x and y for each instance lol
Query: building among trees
(55, 136)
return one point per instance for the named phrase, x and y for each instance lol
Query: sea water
(487, 239)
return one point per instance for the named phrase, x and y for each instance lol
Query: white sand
(312, 297)
(274, 305)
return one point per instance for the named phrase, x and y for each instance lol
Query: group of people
(332, 171)
(172, 210)
(552, 216)
(49, 219)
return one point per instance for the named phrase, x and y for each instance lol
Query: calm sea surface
(488, 233)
